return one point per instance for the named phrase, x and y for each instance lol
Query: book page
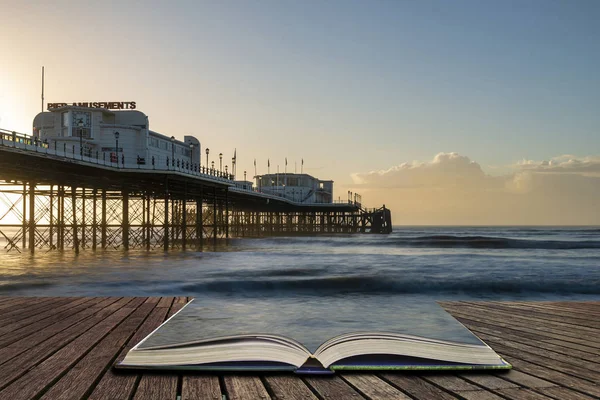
(311, 322)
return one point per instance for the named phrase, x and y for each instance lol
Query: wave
(495, 242)
(437, 241)
(16, 286)
(337, 285)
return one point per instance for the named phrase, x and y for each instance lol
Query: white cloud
(446, 169)
(452, 189)
(563, 164)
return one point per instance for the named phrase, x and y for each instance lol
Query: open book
(203, 339)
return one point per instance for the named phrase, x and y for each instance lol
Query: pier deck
(64, 348)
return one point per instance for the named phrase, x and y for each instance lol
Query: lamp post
(233, 166)
(117, 147)
(226, 175)
(173, 150)
(212, 166)
(244, 175)
(221, 162)
(207, 151)
(80, 125)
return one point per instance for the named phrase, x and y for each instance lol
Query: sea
(411, 266)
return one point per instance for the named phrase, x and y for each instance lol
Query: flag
(268, 162)
(303, 161)
(255, 162)
(234, 154)
(286, 161)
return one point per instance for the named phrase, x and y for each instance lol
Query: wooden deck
(64, 348)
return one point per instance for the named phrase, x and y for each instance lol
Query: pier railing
(121, 161)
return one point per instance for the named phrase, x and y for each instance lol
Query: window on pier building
(82, 124)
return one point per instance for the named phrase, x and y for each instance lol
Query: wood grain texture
(288, 387)
(200, 387)
(332, 388)
(39, 378)
(76, 382)
(157, 387)
(64, 348)
(245, 387)
(417, 387)
(373, 387)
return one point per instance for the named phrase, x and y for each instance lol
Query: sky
(462, 112)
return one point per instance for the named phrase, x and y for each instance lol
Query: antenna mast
(42, 89)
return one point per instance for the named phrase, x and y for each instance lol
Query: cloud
(446, 169)
(453, 189)
(563, 164)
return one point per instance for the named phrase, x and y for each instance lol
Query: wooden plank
(200, 387)
(547, 309)
(526, 380)
(489, 380)
(244, 387)
(23, 311)
(450, 382)
(159, 386)
(55, 311)
(24, 331)
(522, 394)
(540, 343)
(165, 302)
(332, 388)
(373, 387)
(560, 378)
(79, 379)
(562, 393)
(417, 387)
(532, 328)
(546, 360)
(286, 387)
(34, 381)
(540, 313)
(16, 301)
(479, 395)
(26, 361)
(514, 318)
(27, 342)
(114, 385)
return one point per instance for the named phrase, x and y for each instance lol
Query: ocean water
(411, 266)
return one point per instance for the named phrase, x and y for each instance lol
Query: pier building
(301, 188)
(95, 176)
(113, 136)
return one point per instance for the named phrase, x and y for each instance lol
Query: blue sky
(350, 86)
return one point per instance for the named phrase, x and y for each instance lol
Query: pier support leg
(74, 225)
(51, 228)
(83, 219)
(184, 218)
(24, 218)
(31, 217)
(226, 216)
(104, 227)
(215, 216)
(94, 219)
(199, 219)
(166, 221)
(148, 223)
(61, 217)
(125, 195)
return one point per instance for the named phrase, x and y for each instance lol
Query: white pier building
(299, 188)
(121, 136)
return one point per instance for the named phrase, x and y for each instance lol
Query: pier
(59, 198)
(64, 348)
